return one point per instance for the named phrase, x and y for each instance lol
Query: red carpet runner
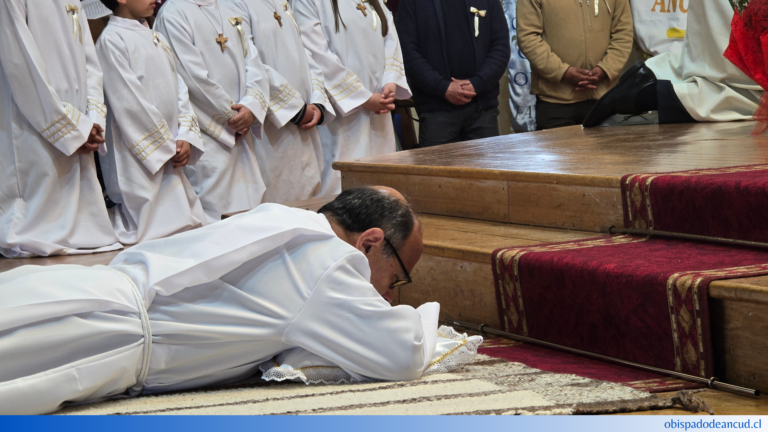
(562, 362)
(633, 298)
(722, 202)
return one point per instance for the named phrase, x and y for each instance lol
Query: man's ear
(373, 237)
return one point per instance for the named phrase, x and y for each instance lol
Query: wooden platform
(563, 178)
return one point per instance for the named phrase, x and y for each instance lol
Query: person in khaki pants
(577, 49)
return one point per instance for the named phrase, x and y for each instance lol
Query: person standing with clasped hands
(577, 49)
(455, 52)
(355, 44)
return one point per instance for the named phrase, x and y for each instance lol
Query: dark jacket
(421, 30)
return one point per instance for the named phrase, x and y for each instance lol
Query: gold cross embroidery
(361, 7)
(278, 18)
(222, 40)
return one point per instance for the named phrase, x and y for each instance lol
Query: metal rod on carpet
(712, 383)
(746, 243)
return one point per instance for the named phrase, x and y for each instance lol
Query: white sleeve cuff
(97, 112)
(70, 132)
(254, 100)
(403, 91)
(284, 106)
(158, 157)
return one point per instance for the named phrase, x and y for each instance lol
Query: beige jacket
(556, 34)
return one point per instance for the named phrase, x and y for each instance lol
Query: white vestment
(50, 97)
(227, 177)
(202, 307)
(356, 62)
(149, 111)
(291, 159)
(709, 86)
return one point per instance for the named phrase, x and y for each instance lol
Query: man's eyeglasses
(399, 283)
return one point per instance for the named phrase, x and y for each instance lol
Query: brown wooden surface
(464, 289)
(563, 178)
(588, 157)
(740, 342)
(469, 198)
(564, 206)
(475, 240)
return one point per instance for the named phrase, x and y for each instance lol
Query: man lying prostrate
(208, 306)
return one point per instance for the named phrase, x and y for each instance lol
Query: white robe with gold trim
(50, 97)
(291, 159)
(149, 111)
(356, 62)
(227, 177)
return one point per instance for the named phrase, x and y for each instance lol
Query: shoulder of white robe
(199, 256)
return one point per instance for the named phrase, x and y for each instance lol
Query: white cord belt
(141, 378)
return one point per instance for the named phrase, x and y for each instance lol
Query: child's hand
(243, 120)
(182, 154)
(311, 117)
(379, 104)
(94, 139)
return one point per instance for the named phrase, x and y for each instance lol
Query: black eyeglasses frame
(408, 279)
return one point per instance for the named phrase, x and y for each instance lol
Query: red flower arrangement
(748, 49)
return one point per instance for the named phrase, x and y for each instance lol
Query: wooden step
(564, 178)
(455, 271)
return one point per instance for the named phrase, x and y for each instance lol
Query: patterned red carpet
(722, 202)
(633, 298)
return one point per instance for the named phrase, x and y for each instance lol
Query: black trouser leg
(553, 115)
(481, 124)
(440, 127)
(671, 110)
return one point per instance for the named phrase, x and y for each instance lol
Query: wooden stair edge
(479, 174)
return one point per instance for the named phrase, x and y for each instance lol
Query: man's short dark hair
(360, 209)
(111, 4)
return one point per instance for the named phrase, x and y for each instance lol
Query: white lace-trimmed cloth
(453, 351)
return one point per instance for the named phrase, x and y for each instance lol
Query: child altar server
(291, 154)
(227, 83)
(51, 120)
(152, 132)
(355, 44)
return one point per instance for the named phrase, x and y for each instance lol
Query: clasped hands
(384, 102)
(244, 118)
(460, 92)
(582, 79)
